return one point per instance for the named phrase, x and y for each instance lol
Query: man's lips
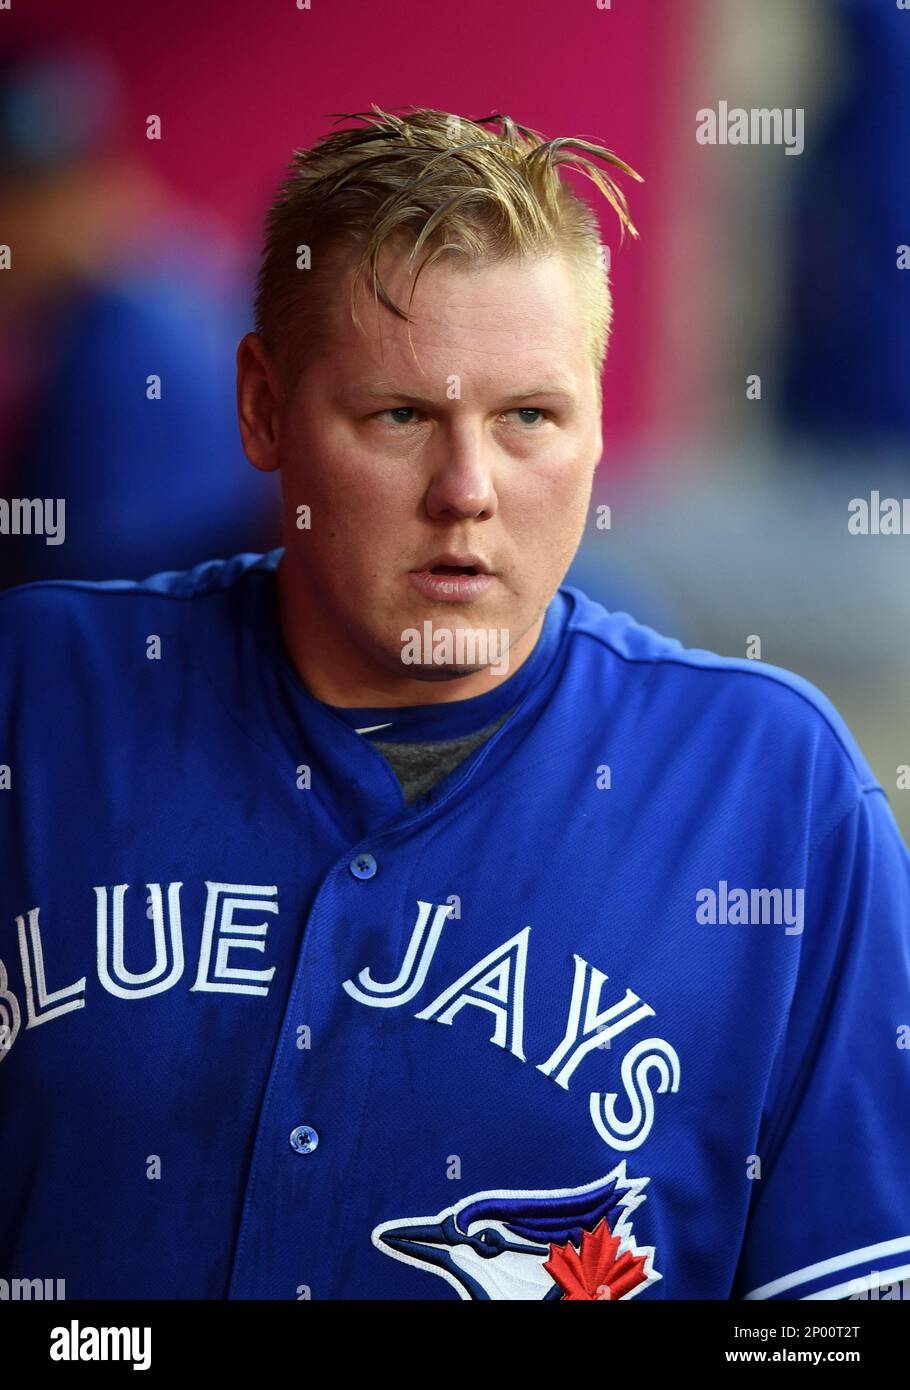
(448, 584)
(452, 576)
(455, 562)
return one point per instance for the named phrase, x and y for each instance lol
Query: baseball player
(380, 917)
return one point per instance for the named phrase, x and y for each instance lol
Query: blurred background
(757, 379)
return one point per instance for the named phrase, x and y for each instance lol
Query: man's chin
(440, 673)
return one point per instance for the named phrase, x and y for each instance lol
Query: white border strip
(838, 1262)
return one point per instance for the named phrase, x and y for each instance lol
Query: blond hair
(448, 184)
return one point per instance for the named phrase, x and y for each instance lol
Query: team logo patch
(573, 1243)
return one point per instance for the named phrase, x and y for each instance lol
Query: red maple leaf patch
(594, 1271)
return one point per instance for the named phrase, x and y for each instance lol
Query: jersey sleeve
(830, 1214)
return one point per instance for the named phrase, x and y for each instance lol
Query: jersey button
(304, 1139)
(364, 866)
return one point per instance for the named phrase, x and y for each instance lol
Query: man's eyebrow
(547, 390)
(382, 390)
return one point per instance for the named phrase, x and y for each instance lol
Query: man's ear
(258, 402)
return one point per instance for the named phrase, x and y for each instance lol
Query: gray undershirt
(419, 766)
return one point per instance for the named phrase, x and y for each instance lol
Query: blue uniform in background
(151, 473)
(615, 1010)
(845, 336)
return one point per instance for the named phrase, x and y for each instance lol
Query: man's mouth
(449, 582)
(454, 563)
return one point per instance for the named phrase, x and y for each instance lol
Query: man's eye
(526, 410)
(397, 411)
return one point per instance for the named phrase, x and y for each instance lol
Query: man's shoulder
(764, 710)
(66, 602)
(89, 636)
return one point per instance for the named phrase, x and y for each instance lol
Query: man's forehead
(455, 289)
(512, 381)
(505, 320)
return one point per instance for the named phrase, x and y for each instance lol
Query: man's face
(486, 445)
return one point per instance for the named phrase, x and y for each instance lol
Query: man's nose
(462, 475)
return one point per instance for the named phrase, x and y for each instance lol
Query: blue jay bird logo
(573, 1243)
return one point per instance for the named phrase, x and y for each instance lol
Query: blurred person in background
(846, 336)
(112, 283)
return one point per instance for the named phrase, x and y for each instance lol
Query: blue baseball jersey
(619, 1008)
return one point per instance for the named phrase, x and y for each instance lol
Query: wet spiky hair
(433, 181)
